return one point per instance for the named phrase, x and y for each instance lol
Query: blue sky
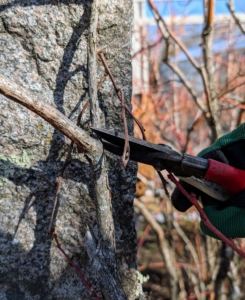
(193, 7)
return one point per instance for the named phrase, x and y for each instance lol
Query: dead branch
(18, 94)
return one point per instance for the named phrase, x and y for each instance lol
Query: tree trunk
(49, 48)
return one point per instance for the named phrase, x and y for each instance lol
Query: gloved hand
(228, 216)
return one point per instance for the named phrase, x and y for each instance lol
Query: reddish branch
(125, 156)
(240, 105)
(204, 218)
(79, 273)
(210, 13)
(229, 90)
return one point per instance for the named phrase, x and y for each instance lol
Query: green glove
(228, 216)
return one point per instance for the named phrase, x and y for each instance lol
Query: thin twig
(230, 89)
(192, 251)
(101, 81)
(59, 184)
(148, 47)
(161, 264)
(121, 98)
(240, 105)
(141, 127)
(185, 82)
(225, 88)
(63, 169)
(79, 273)
(190, 130)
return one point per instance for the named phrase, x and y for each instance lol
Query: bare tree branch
(186, 83)
(160, 21)
(237, 21)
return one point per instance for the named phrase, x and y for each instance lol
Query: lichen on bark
(44, 49)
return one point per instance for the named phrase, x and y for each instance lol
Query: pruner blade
(164, 157)
(141, 150)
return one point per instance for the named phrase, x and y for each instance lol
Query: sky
(193, 7)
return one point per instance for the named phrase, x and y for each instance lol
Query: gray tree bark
(48, 49)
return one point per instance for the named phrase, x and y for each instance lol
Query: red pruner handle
(229, 177)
